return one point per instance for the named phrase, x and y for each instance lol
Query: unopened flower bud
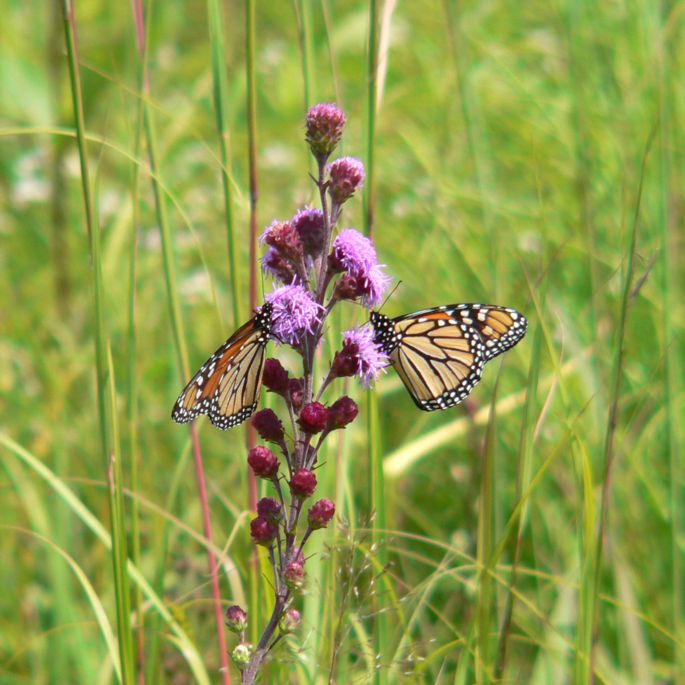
(284, 238)
(268, 425)
(324, 127)
(236, 619)
(290, 621)
(320, 514)
(347, 287)
(270, 509)
(296, 392)
(346, 177)
(275, 377)
(263, 462)
(341, 413)
(294, 575)
(263, 532)
(303, 483)
(242, 654)
(313, 418)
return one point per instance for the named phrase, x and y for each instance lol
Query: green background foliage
(529, 154)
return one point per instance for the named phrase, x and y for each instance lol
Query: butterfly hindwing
(226, 387)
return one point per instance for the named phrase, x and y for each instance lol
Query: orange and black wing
(439, 353)
(226, 387)
(500, 328)
(438, 359)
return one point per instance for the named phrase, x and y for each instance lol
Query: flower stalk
(310, 267)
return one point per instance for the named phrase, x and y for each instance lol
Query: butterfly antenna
(390, 294)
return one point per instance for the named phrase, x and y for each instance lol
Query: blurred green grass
(508, 161)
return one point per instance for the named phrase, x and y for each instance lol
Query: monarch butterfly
(439, 353)
(226, 386)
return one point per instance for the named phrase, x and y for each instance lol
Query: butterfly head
(263, 318)
(384, 331)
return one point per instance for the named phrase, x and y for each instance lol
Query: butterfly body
(439, 353)
(226, 386)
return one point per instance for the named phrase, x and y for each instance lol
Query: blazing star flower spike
(294, 313)
(370, 358)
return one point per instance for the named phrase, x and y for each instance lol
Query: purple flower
(308, 223)
(320, 514)
(276, 266)
(236, 619)
(359, 347)
(372, 286)
(346, 177)
(353, 253)
(324, 126)
(294, 313)
(356, 255)
(282, 236)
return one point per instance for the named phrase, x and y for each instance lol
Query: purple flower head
(320, 514)
(346, 177)
(324, 126)
(308, 223)
(294, 313)
(236, 619)
(353, 253)
(360, 347)
(276, 266)
(290, 621)
(372, 286)
(282, 236)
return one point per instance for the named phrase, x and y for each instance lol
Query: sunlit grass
(504, 148)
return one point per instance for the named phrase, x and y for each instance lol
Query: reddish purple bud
(268, 425)
(263, 462)
(341, 413)
(283, 237)
(277, 266)
(348, 286)
(275, 377)
(296, 392)
(290, 621)
(270, 509)
(313, 417)
(294, 575)
(236, 619)
(303, 483)
(263, 532)
(346, 177)
(346, 360)
(309, 225)
(320, 514)
(324, 127)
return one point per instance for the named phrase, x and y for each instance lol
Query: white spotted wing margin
(226, 387)
(439, 353)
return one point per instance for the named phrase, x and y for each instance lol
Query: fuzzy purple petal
(294, 313)
(353, 252)
(374, 283)
(371, 359)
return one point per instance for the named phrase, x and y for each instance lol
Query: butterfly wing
(439, 353)
(226, 387)
(500, 328)
(439, 359)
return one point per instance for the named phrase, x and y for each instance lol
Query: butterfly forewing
(226, 387)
